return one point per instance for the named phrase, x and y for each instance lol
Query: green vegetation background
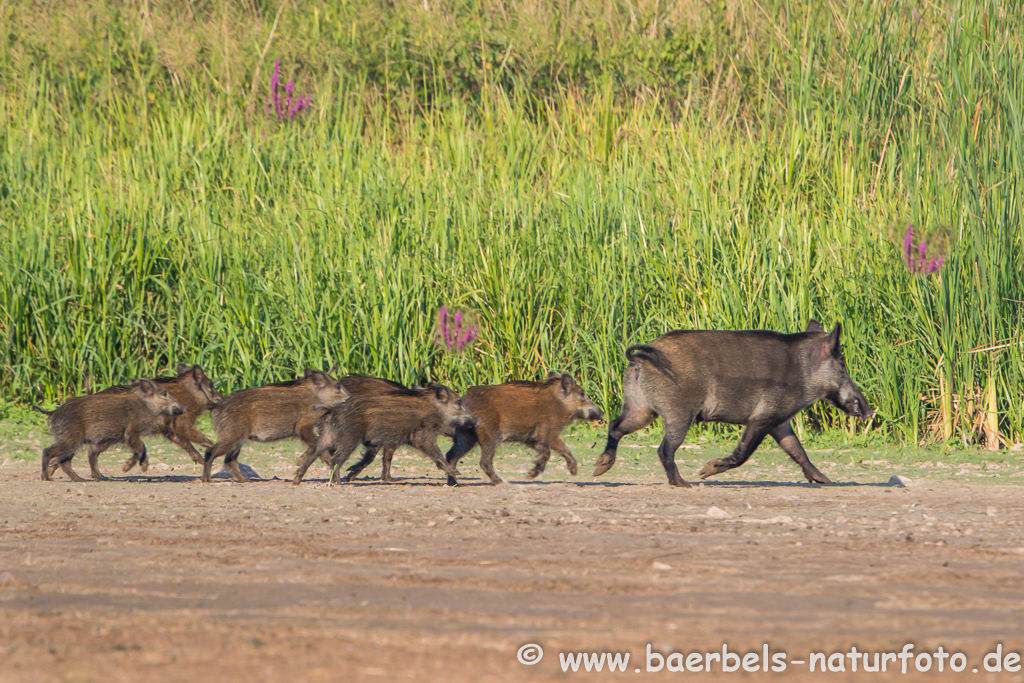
(581, 175)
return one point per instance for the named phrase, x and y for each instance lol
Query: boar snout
(852, 402)
(593, 413)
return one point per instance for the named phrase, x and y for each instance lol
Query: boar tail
(42, 410)
(653, 356)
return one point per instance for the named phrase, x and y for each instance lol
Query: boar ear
(440, 391)
(145, 385)
(814, 326)
(831, 342)
(567, 384)
(182, 368)
(553, 375)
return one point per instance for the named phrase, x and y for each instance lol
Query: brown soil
(162, 578)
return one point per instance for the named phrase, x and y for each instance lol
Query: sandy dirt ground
(159, 577)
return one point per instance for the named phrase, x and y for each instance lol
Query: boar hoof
(712, 468)
(572, 467)
(604, 463)
(534, 473)
(681, 483)
(817, 478)
(128, 465)
(452, 481)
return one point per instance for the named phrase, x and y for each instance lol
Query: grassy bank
(581, 176)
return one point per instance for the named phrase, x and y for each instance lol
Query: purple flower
(919, 262)
(454, 333)
(288, 107)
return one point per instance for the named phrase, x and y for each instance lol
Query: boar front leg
(385, 463)
(787, 440)
(434, 453)
(462, 442)
(544, 450)
(752, 437)
(184, 441)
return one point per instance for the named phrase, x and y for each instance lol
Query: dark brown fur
(533, 413)
(756, 378)
(403, 417)
(192, 389)
(269, 413)
(364, 385)
(104, 419)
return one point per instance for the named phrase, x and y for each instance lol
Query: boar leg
(462, 443)
(636, 415)
(385, 463)
(338, 450)
(559, 447)
(52, 457)
(231, 462)
(752, 437)
(543, 455)
(787, 440)
(94, 455)
(675, 431)
(221, 448)
(429, 446)
(368, 455)
(488, 447)
(183, 438)
(65, 464)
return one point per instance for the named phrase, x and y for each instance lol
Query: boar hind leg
(787, 440)
(94, 456)
(231, 463)
(64, 462)
(675, 432)
(752, 437)
(54, 457)
(634, 417)
(368, 456)
(221, 448)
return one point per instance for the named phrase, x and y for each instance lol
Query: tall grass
(583, 176)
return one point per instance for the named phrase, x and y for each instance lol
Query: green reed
(695, 166)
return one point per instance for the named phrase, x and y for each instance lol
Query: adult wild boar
(102, 420)
(192, 389)
(411, 417)
(756, 378)
(533, 413)
(269, 413)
